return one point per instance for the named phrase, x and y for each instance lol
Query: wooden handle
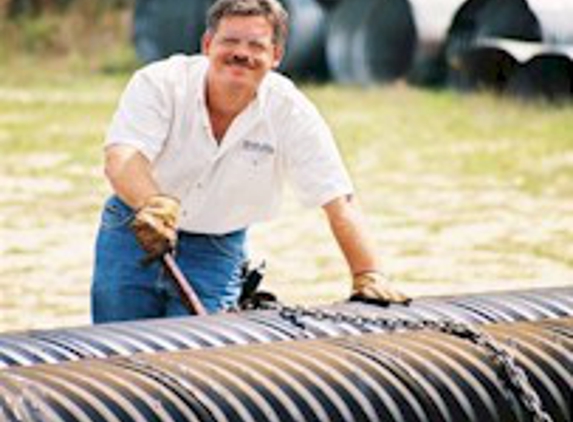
(186, 292)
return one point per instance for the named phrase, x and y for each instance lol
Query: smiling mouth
(239, 62)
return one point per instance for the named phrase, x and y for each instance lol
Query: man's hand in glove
(374, 287)
(155, 225)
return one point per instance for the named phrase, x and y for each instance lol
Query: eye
(230, 41)
(257, 46)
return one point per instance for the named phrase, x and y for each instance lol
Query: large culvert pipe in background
(548, 75)
(407, 377)
(479, 19)
(483, 66)
(305, 51)
(340, 56)
(369, 41)
(381, 40)
(523, 69)
(165, 27)
(546, 22)
(102, 341)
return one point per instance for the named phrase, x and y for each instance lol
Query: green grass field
(463, 192)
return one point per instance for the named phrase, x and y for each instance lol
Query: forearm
(350, 230)
(130, 175)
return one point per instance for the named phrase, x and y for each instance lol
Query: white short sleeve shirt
(229, 185)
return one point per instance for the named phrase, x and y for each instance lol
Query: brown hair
(272, 10)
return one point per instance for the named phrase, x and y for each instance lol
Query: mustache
(241, 61)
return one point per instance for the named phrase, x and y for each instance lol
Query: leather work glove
(155, 225)
(374, 287)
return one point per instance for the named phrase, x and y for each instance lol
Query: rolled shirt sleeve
(142, 118)
(314, 164)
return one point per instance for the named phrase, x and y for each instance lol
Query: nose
(240, 58)
(241, 49)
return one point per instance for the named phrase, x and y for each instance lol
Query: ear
(278, 54)
(206, 42)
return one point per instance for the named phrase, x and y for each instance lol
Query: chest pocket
(256, 156)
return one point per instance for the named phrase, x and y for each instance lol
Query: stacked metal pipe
(423, 376)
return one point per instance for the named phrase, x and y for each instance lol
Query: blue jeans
(124, 289)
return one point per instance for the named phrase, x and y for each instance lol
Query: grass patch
(457, 135)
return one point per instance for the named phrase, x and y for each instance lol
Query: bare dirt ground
(435, 235)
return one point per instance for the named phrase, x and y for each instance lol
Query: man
(197, 152)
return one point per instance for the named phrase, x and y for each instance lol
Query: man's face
(241, 51)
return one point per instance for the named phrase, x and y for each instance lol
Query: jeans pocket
(116, 215)
(231, 245)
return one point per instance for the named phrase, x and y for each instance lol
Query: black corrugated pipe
(408, 377)
(305, 53)
(548, 74)
(369, 41)
(102, 341)
(382, 40)
(478, 19)
(482, 66)
(165, 27)
(523, 69)
(546, 22)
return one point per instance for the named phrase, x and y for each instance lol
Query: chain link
(512, 372)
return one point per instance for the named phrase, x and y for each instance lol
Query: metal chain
(511, 370)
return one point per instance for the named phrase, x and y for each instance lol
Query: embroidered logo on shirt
(258, 147)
